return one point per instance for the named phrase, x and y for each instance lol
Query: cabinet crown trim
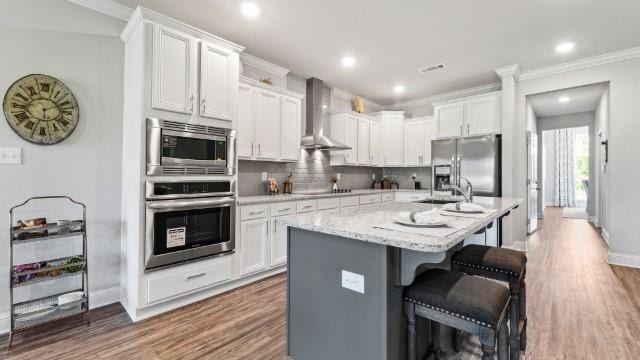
(264, 65)
(255, 83)
(468, 98)
(142, 14)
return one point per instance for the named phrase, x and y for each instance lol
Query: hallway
(579, 307)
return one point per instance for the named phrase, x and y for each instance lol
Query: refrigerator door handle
(458, 166)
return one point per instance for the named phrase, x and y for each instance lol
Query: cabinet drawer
(307, 206)
(387, 197)
(325, 204)
(349, 201)
(181, 281)
(411, 196)
(369, 199)
(254, 212)
(285, 208)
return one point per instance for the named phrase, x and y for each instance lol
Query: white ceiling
(392, 39)
(582, 99)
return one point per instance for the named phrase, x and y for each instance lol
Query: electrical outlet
(10, 156)
(265, 176)
(338, 176)
(373, 177)
(414, 175)
(353, 281)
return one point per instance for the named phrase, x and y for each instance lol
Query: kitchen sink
(441, 201)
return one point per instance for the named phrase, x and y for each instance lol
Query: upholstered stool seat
(504, 265)
(461, 301)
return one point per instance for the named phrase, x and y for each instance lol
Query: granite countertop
(261, 199)
(359, 224)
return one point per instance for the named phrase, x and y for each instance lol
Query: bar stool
(503, 265)
(460, 301)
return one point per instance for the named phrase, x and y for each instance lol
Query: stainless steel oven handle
(189, 204)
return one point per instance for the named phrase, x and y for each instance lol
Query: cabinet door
(174, 69)
(351, 139)
(246, 121)
(392, 142)
(254, 235)
(375, 145)
(483, 116)
(414, 139)
(431, 133)
(364, 158)
(267, 125)
(290, 128)
(278, 242)
(218, 81)
(450, 120)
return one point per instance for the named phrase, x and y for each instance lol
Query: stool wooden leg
(523, 315)
(514, 319)
(503, 341)
(488, 341)
(410, 313)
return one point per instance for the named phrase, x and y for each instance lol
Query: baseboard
(97, 299)
(104, 297)
(518, 245)
(594, 221)
(605, 236)
(624, 260)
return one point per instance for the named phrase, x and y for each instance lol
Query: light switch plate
(264, 176)
(353, 281)
(338, 176)
(10, 156)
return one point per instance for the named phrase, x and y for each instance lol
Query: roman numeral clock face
(41, 109)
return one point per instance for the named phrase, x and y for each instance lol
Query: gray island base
(346, 277)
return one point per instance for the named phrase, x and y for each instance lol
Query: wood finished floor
(579, 307)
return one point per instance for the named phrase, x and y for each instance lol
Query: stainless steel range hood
(317, 116)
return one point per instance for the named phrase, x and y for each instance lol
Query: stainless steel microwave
(176, 148)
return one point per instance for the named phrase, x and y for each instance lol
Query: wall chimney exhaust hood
(317, 116)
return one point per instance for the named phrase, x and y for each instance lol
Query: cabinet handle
(204, 105)
(468, 129)
(255, 212)
(195, 276)
(460, 129)
(191, 100)
(282, 210)
(252, 149)
(259, 150)
(275, 228)
(307, 206)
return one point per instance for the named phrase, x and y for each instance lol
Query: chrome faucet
(469, 188)
(468, 196)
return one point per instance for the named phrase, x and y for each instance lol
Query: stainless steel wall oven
(175, 148)
(188, 220)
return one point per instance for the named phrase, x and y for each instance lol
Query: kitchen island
(346, 276)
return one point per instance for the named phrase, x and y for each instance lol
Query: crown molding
(597, 60)
(106, 7)
(279, 90)
(509, 70)
(446, 96)
(263, 65)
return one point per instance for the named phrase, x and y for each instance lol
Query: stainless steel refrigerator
(475, 158)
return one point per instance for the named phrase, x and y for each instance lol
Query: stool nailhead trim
(450, 313)
(474, 266)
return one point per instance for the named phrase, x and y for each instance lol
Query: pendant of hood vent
(428, 69)
(317, 115)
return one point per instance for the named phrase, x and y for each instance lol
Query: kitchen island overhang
(345, 278)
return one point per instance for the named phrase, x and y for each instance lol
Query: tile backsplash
(311, 172)
(403, 176)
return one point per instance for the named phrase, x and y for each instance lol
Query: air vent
(202, 129)
(428, 69)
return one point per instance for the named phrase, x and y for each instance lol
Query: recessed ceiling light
(398, 89)
(348, 61)
(564, 99)
(565, 47)
(250, 10)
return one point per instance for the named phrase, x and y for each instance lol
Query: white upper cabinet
(218, 81)
(344, 128)
(375, 145)
(246, 123)
(290, 128)
(483, 116)
(269, 122)
(392, 133)
(417, 141)
(364, 157)
(174, 70)
(476, 115)
(267, 125)
(450, 120)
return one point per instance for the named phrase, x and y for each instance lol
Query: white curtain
(565, 179)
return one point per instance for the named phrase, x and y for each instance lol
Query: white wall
(624, 126)
(85, 166)
(601, 132)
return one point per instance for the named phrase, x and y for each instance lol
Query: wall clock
(41, 109)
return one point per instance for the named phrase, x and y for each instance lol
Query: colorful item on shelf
(358, 104)
(272, 185)
(32, 224)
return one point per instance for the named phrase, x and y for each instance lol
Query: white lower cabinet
(387, 197)
(405, 196)
(254, 235)
(278, 241)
